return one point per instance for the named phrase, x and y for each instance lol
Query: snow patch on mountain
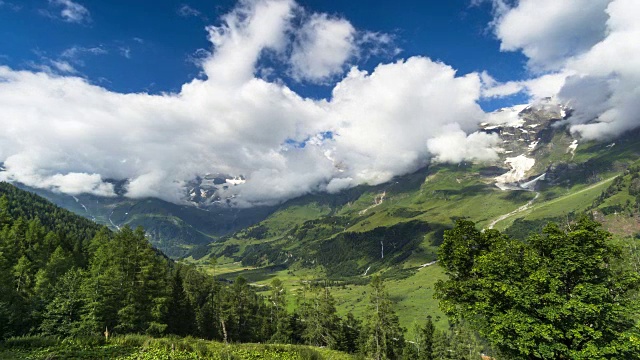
(572, 148)
(236, 181)
(519, 166)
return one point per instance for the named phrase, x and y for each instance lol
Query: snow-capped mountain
(526, 131)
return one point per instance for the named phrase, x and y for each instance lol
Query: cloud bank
(63, 133)
(588, 54)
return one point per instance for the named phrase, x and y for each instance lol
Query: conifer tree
(180, 316)
(385, 338)
(278, 317)
(62, 314)
(350, 330)
(426, 340)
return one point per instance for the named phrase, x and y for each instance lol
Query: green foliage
(384, 338)
(144, 347)
(317, 311)
(559, 295)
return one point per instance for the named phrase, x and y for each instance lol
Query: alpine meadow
(301, 179)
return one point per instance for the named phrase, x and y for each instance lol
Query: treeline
(64, 276)
(628, 184)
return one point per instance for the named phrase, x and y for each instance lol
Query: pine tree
(5, 217)
(441, 346)
(278, 317)
(127, 290)
(426, 340)
(180, 316)
(58, 263)
(385, 338)
(350, 329)
(318, 315)
(63, 313)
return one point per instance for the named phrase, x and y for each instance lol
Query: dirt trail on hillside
(528, 204)
(518, 210)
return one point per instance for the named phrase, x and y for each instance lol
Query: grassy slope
(131, 347)
(436, 195)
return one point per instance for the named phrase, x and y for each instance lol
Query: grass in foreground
(129, 347)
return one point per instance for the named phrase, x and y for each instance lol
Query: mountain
(394, 229)
(174, 229)
(543, 173)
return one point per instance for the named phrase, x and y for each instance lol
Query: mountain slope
(398, 225)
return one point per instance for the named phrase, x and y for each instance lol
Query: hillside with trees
(68, 285)
(65, 278)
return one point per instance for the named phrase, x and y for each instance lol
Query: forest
(559, 294)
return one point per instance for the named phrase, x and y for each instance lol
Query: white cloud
(456, 146)
(547, 85)
(549, 31)
(64, 67)
(187, 11)
(71, 11)
(75, 52)
(247, 31)
(383, 120)
(62, 132)
(125, 51)
(591, 49)
(322, 47)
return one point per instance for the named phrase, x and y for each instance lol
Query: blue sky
(295, 96)
(150, 46)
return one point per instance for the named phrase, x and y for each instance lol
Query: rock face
(204, 191)
(524, 129)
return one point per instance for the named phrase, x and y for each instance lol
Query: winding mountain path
(518, 210)
(528, 204)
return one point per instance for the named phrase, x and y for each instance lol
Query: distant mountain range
(543, 173)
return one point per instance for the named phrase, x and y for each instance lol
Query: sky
(296, 96)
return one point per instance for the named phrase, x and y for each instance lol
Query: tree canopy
(561, 294)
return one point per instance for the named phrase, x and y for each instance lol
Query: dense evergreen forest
(561, 294)
(64, 276)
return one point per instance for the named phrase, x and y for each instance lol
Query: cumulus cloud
(537, 88)
(71, 11)
(66, 134)
(383, 120)
(456, 146)
(590, 50)
(548, 31)
(321, 48)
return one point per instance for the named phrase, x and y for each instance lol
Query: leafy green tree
(384, 336)
(560, 295)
